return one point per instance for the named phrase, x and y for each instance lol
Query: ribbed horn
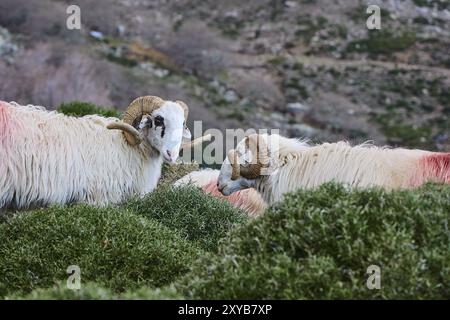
(256, 144)
(131, 134)
(232, 156)
(185, 108)
(137, 108)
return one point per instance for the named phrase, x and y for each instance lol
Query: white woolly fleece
(49, 158)
(298, 165)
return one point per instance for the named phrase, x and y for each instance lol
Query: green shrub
(93, 291)
(441, 5)
(318, 245)
(308, 26)
(383, 42)
(195, 215)
(112, 247)
(172, 172)
(80, 109)
(130, 63)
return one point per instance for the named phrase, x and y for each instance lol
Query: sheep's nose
(168, 156)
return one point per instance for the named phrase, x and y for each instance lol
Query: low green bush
(383, 42)
(93, 291)
(115, 248)
(80, 109)
(172, 172)
(130, 63)
(439, 4)
(195, 215)
(181, 243)
(318, 244)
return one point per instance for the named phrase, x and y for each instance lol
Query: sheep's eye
(159, 121)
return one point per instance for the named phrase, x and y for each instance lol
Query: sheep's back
(51, 158)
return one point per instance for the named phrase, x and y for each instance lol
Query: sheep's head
(243, 165)
(160, 123)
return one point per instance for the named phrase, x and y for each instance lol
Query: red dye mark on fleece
(247, 200)
(436, 167)
(237, 198)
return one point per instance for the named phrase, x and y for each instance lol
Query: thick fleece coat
(50, 158)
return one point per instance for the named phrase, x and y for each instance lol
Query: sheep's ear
(187, 133)
(146, 121)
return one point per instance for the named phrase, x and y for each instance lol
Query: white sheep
(275, 165)
(50, 158)
(247, 200)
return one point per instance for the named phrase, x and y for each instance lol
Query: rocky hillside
(308, 67)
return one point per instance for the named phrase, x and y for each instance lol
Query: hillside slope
(308, 67)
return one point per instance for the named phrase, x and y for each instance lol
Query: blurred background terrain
(308, 67)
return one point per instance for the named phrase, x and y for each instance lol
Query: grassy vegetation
(383, 42)
(116, 248)
(122, 60)
(308, 27)
(412, 94)
(200, 219)
(229, 26)
(94, 291)
(80, 109)
(319, 244)
(441, 5)
(296, 88)
(315, 244)
(172, 172)
(360, 15)
(399, 133)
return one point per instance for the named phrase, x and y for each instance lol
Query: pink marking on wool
(247, 200)
(237, 198)
(5, 123)
(434, 168)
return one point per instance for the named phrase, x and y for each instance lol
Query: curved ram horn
(256, 144)
(132, 135)
(185, 108)
(232, 157)
(137, 108)
(195, 142)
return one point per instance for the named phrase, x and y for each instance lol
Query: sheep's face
(227, 185)
(164, 130)
(229, 180)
